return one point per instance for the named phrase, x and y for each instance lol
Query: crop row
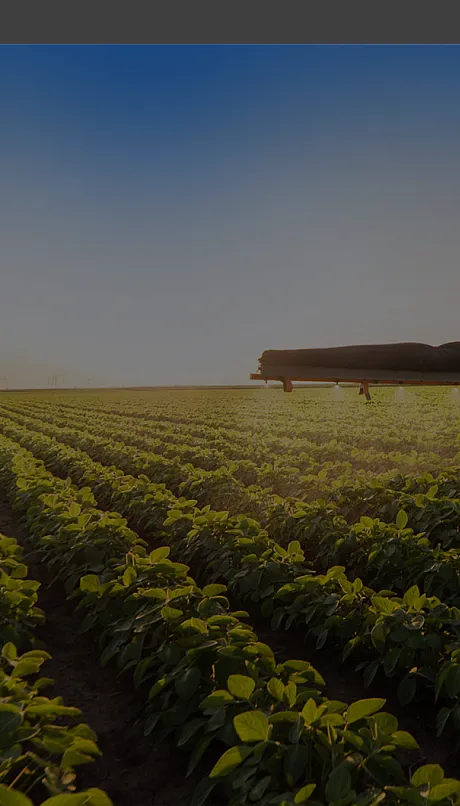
(305, 470)
(428, 500)
(312, 415)
(218, 487)
(210, 682)
(381, 554)
(40, 741)
(301, 452)
(301, 466)
(412, 639)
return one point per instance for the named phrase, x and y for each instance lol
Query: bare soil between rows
(133, 770)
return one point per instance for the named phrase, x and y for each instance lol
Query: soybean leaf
(362, 708)
(230, 760)
(252, 726)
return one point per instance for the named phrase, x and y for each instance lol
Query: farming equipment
(404, 364)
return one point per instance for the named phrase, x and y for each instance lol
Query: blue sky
(169, 212)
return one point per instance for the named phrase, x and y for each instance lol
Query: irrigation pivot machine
(404, 364)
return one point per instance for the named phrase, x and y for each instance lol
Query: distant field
(333, 523)
(305, 444)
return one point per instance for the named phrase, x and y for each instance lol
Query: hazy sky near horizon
(169, 212)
